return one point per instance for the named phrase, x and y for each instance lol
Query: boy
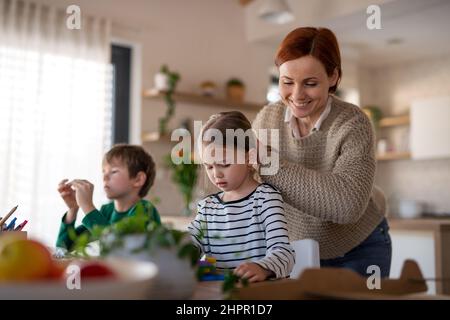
(128, 174)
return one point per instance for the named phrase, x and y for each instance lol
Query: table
(212, 290)
(208, 290)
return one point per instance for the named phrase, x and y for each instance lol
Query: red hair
(320, 43)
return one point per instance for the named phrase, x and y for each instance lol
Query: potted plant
(208, 88)
(235, 89)
(184, 175)
(167, 80)
(374, 113)
(136, 238)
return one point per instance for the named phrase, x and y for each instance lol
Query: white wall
(202, 40)
(306, 12)
(393, 88)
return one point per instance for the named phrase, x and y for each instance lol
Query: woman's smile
(300, 105)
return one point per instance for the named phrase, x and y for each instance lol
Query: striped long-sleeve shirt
(249, 229)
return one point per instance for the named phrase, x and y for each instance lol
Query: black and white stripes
(250, 229)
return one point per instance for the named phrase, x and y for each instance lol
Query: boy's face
(116, 180)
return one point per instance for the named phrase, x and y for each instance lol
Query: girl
(243, 227)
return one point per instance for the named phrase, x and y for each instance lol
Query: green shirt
(106, 216)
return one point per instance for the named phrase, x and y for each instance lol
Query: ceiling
(411, 30)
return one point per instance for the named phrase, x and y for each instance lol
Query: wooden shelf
(154, 136)
(394, 156)
(204, 100)
(394, 121)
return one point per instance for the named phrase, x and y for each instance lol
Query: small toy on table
(207, 270)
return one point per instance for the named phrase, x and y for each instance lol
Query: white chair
(306, 256)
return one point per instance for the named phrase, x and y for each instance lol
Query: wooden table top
(208, 290)
(212, 290)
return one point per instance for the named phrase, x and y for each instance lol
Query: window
(121, 61)
(55, 113)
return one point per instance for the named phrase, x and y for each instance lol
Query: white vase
(176, 277)
(161, 81)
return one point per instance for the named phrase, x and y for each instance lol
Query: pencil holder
(21, 234)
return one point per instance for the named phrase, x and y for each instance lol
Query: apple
(22, 260)
(96, 269)
(57, 270)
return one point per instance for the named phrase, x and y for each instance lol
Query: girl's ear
(140, 178)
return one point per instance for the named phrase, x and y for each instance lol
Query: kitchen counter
(432, 224)
(426, 240)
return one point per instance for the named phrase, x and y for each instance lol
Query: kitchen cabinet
(428, 242)
(430, 128)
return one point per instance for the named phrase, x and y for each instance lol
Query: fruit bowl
(132, 280)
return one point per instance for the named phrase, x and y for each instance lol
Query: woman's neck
(247, 187)
(306, 124)
(125, 203)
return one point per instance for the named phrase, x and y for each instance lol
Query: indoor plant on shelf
(235, 89)
(171, 80)
(374, 113)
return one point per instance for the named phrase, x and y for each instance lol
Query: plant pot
(176, 277)
(236, 93)
(161, 82)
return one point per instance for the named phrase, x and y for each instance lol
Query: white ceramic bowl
(410, 209)
(135, 280)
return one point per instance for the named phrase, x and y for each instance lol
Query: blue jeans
(375, 250)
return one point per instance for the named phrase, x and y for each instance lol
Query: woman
(327, 157)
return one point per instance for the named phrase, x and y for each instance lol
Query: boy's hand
(68, 194)
(83, 194)
(253, 272)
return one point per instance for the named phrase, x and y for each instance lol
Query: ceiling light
(276, 11)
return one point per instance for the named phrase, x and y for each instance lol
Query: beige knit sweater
(327, 178)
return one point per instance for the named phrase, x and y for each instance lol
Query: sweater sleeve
(63, 240)
(94, 218)
(341, 195)
(279, 255)
(154, 215)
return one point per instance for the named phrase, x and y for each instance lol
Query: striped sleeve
(279, 254)
(197, 229)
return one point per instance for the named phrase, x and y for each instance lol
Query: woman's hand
(83, 194)
(252, 272)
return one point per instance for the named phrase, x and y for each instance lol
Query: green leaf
(230, 283)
